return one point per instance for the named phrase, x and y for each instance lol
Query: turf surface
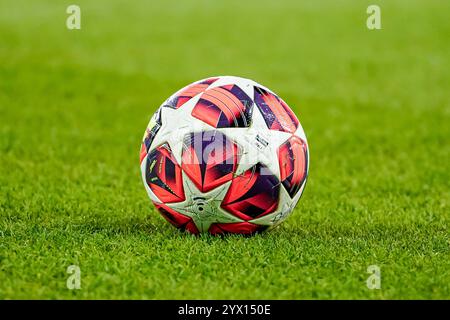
(374, 104)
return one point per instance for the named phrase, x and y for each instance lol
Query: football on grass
(224, 155)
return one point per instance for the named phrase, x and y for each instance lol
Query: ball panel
(239, 227)
(152, 129)
(209, 81)
(293, 160)
(142, 153)
(253, 194)
(276, 112)
(163, 175)
(224, 107)
(185, 94)
(209, 159)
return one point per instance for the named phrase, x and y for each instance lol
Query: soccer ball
(224, 155)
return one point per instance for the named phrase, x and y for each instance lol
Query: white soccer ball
(224, 155)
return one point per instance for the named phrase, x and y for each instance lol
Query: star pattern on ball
(176, 123)
(258, 144)
(203, 208)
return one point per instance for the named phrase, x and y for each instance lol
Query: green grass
(374, 104)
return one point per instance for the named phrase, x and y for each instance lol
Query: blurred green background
(374, 104)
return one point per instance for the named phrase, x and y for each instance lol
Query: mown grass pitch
(374, 104)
